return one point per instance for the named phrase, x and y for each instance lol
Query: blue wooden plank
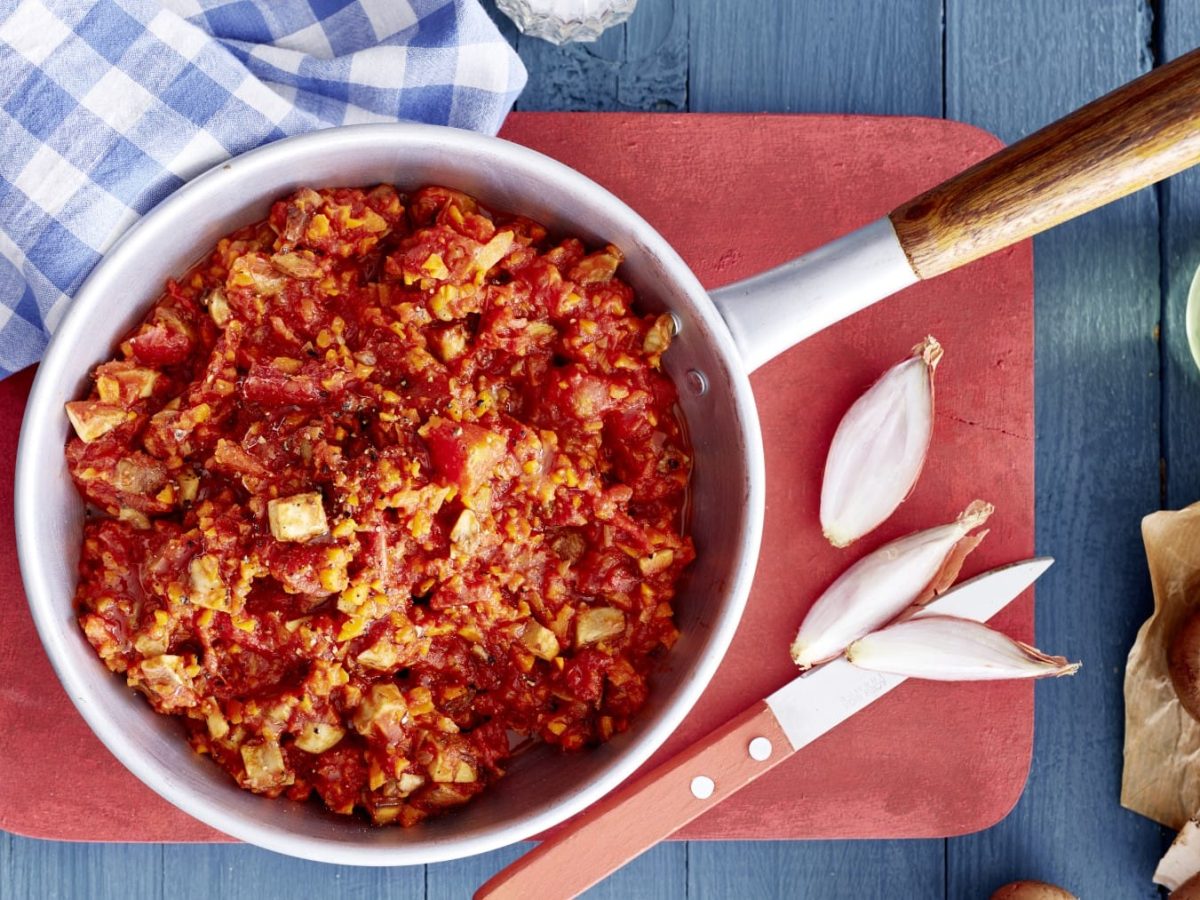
(240, 872)
(828, 870)
(452, 880)
(656, 875)
(1011, 68)
(798, 56)
(51, 870)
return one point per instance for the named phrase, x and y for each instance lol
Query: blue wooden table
(1118, 405)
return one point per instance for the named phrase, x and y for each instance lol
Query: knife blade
(810, 705)
(632, 819)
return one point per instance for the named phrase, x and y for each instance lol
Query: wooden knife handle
(1135, 136)
(638, 815)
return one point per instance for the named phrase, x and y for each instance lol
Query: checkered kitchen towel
(108, 106)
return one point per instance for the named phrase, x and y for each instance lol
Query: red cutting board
(734, 194)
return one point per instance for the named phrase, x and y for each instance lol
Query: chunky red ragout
(380, 486)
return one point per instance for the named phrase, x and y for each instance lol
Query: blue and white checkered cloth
(108, 106)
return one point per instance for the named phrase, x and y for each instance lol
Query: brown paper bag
(1162, 742)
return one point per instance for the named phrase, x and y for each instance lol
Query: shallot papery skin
(946, 648)
(881, 585)
(879, 448)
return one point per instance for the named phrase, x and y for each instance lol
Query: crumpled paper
(1162, 742)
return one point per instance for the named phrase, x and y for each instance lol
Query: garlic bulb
(879, 448)
(881, 585)
(560, 21)
(945, 648)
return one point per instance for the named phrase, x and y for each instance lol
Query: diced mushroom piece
(658, 338)
(317, 737)
(447, 795)
(255, 271)
(218, 308)
(108, 388)
(134, 517)
(597, 267)
(589, 397)
(231, 457)
(93, 420)
(493, 251)
(382, 655)
(297, 265)
(297, 518)
(570, 546)
(598, 624)
(410, 782)
(165, 680)
(658, 561)
(449, 343)
(540, 641)
(465, 533)
(139, 474)
(123, 383)
(207, 587)
(265, 769)
(450, 764)
(218, 725)
(189, 484)
(464, 772)
(383, 706)
(101, 637)
(138, 382)
(384, 813)
(152, 642)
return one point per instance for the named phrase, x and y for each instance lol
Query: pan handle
(1137, 135)
(638, 815)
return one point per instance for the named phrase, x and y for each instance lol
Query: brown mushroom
(1183, 664)
(1189, 890)
(1032, 890)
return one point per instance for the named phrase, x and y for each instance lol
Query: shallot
(881, 585)
(879, 448)
(945, 648)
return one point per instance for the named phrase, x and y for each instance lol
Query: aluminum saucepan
(1137, 135)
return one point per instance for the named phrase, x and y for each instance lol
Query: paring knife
(635, 817)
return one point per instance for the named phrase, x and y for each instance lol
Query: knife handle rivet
(760, 749)
(703, 787)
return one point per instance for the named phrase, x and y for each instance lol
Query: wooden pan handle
(637, 816)
(1135, 136)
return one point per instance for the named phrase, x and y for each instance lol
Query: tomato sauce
(380, 486)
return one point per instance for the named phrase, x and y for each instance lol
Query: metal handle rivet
(760, 749)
